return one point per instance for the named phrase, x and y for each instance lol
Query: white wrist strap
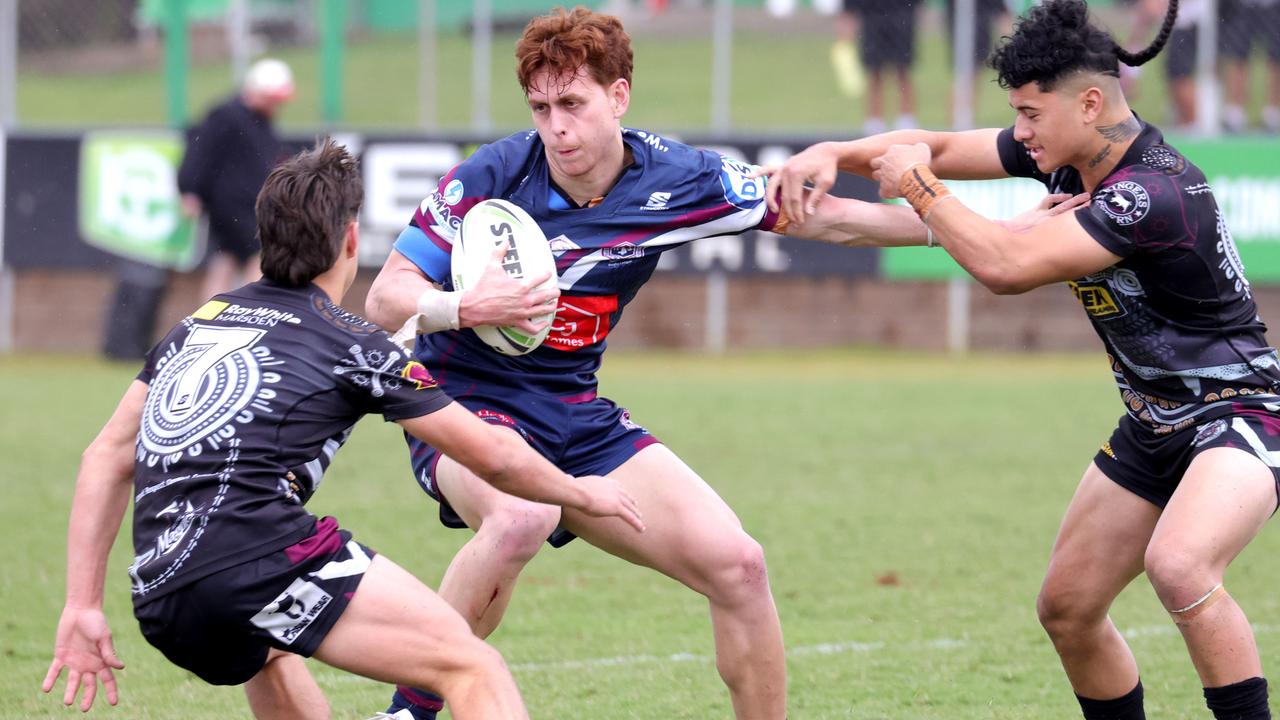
(438, 310)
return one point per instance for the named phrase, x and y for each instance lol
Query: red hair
(564, 42)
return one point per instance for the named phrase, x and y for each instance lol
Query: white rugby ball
(498, 223)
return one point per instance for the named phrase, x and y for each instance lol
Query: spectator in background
(992, 18)
(228, 157)
(886, 34)
(1180, 58)
(1243, 22)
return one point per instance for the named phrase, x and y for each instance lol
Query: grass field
(907, 504)
(782, 82)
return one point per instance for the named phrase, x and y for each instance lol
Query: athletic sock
(421, 704)
(1125, 707)
(1245, 700)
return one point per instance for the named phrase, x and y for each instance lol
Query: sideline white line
(840, 648)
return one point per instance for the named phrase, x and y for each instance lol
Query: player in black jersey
(1190, 474)
(223, 437)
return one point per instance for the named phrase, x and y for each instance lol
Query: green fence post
(332, 23)
(177, 63)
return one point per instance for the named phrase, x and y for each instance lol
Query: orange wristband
(920, 187)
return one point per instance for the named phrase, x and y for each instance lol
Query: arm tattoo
(1102, 155)
(1120, 131)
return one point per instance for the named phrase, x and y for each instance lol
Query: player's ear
(351, 239)
(1092, 102)
(619, 97)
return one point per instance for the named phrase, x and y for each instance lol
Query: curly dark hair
(1056, 39)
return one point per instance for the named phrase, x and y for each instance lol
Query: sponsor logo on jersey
(622, 252)
(444, 224)
(1209, 433)
(368, 368)
(1126, 202)
(259, 316)
(1106, 448)
(581, 322)
(1197, 189)
(561, 244)
(657, 201)
(453, 192)
(740, 190)
(1096, 298)
(653, 141)
(417, 373)
(486, 415)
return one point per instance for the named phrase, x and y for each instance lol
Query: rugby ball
(498, 223)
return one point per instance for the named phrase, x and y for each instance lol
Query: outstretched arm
(968, 155)
(1005, 261)
(504, 460)
(83, 645)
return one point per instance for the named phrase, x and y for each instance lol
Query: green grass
(782, 82)
(847, 465)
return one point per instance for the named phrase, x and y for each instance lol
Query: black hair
(303, 208)
(1056, 39)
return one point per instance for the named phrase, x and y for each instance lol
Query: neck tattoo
(1102, 155)
(1121, 131)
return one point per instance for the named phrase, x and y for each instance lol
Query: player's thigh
(1223, 501)
(474, 499)
(397, 630)
(690, 532)
(1100, 545)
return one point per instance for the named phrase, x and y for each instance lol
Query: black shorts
(238, 245)
(1180, 55)
(887, 35)
(1244, 22)
(1151, 465)
(221, 626)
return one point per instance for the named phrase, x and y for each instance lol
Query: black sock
(1245, 700)
(1125, 707)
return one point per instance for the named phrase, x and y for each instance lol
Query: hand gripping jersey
(1176, 314)
(248, 400)
(669, 195)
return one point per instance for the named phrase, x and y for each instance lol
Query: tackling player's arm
(103, 486)
(504, 460)
(968, 155)
(1006, 262)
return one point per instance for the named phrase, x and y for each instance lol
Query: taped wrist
(920, 187)
(438, 310)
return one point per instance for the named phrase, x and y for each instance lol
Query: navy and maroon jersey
(669, 195)
(1176, 313)
(248, 400)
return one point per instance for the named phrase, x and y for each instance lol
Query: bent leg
(396, 630)
(509, 532)
(1098, 552)
(284, 689)
(692, 536)
(1224, 499)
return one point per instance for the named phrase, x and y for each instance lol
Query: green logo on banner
(129, 203)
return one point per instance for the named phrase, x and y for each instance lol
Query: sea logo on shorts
(1096, 297)
(292, 611)
(416, 372)
(1126, 202)
(453, 192)
(1209, 433)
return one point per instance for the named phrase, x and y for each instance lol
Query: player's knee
(1177, 575)
(520, 529)
(740, 569)
(1064, 611)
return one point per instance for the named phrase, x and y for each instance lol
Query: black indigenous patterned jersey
(248, 400)
(1176, 314)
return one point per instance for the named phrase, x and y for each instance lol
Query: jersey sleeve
(1016, 159)
(728, 184)
(380, 377)
(1138, 212)
(428, 239)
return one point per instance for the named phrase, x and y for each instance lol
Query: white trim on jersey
(735, 222)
